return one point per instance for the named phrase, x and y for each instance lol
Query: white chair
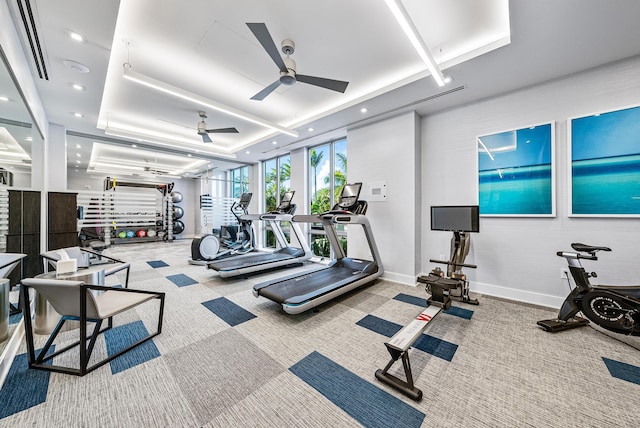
(74, 301)
(8, 262)
(83, 256)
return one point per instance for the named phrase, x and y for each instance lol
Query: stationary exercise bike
(615, 308)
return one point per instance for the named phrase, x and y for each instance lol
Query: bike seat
(588, 248)
(438, 281)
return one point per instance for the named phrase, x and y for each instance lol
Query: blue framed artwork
(605, 164)
(515, 172)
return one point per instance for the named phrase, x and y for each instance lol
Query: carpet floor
(226, 358)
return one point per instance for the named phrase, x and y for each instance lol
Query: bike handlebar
(444, 262)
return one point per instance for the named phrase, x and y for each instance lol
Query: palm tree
(314, 160)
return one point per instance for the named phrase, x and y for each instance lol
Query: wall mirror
(16, 143)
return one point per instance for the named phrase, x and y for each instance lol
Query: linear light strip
(121, 133)
(409, 28)
(182, 94)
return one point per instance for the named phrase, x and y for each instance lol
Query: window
(239, 178)
(327, 177)
(277, 181)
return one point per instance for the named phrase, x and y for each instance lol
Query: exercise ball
(141, 233)
(178, 212)
(178, 227)
(122, 234)
(130, 234)
(151, 233)
(176, 197)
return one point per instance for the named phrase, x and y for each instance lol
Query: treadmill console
(285, 204)
(349, 196)
(245, 200)
(348, 201)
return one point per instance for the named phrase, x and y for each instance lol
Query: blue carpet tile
(429, 344)
(157, 264)
(363, 401)
(15, 319)
(418, 301)
(228, 311)
(623, 371)
(122, 336)
(24, 387)
(181, 280)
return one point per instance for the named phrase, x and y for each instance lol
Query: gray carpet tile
(219, 371)
(284, 401)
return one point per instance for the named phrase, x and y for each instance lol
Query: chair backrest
(64, 296)
(8, 261)
(72, 252)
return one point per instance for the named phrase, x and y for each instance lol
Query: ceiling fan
(287, 66)
(204, 132)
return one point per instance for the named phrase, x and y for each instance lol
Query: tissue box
(66, 266)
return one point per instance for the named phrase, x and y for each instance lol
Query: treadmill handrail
(275, 217)
(250, 217)
(307, 218)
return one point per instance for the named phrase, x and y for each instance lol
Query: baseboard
(517, 295)
(399, 278)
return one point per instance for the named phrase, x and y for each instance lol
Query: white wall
(516, 256)
(388, 151)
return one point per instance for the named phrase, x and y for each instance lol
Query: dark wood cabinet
(24, 232)
(62, 220)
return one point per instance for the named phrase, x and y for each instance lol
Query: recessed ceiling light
(78, 87)
(78, 114)
(134, 146)
(274, 142)
(248, 152)
(3, 98)
(28, 139)
(310, 129)
(78, 146)
(78, 155)
(75, 36)
(77, 161)
(447, 79)
(189, 155)
(363, 110)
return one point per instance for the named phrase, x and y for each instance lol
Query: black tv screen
(459, 218)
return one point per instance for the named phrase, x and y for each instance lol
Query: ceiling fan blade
(334, 85)
(261, 32)
(222, 131)
(206, 138)
(266, 91)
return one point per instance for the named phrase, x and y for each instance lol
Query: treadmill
(260, 260)
(300, 292)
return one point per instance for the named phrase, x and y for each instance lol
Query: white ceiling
(205, 48)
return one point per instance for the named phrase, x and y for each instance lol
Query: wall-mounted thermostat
(376, 191)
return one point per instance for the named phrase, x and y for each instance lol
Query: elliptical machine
(615, 308)
(230, 241)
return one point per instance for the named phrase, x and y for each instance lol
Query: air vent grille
(28, 21)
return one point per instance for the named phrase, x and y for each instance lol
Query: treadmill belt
(252, 260)
(313, 284)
